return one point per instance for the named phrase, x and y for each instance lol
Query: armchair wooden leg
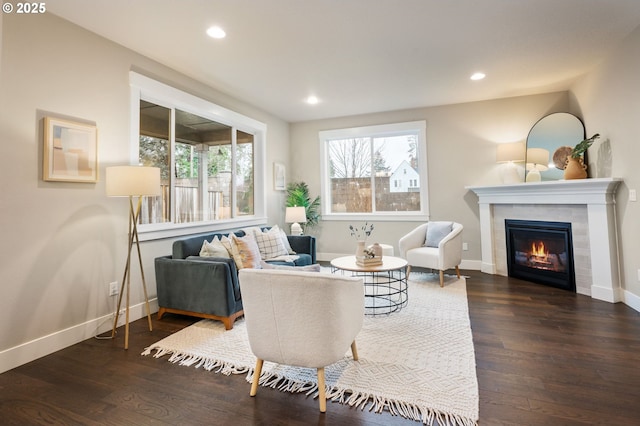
(354, 351)
(441, 278)
(408, 271)
(256, 377)
(322, 396)
(458, 271)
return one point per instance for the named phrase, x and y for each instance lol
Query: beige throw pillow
(215, 248)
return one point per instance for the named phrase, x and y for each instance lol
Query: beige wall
(461, 151)
(62, 243)
(609, 100)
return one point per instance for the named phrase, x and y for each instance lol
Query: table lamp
(537, 161)
(294, 215)
(132, 181)
(509, 154)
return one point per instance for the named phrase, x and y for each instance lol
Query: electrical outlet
(633, 196)
(465, 246)
(113, 288)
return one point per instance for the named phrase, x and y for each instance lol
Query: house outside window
(207, 161)
(374, 172)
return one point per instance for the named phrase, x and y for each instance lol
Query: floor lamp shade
(124, 181)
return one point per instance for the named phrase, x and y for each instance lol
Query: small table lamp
(510, 153)
(294, 215)
(132, 181)
(537, 161)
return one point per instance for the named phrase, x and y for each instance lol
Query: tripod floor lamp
(132, 181)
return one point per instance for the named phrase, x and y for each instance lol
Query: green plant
(298, 195)
(582, 147)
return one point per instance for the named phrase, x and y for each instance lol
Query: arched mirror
(549, 142)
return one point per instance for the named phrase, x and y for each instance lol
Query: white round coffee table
(385, 285)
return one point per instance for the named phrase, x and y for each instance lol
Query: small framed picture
(70, 152)
(279, 177)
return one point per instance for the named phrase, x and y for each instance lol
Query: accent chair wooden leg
(322, 396)
(441, 278)
(256, 377)
(354, 351)
(408, 271)
(458, 271)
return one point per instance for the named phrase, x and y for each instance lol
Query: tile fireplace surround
(588, 204)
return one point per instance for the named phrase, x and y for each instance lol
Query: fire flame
(538, 250)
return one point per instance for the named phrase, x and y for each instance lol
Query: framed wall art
(279, 177)
(70, 152)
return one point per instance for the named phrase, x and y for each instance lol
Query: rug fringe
(361, 400)
(217, 366)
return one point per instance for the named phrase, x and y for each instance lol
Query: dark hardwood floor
(544, 357)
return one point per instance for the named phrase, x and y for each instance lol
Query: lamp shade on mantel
(514, 151)
(508, 154)
(537, 159)
(125, 181)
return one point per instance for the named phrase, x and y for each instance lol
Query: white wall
(62, 243)
(461, 151)
(608, 99)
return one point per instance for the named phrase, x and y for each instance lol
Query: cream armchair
(305, 319)
(443, 252)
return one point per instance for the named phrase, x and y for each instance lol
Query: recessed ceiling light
(478, 76)
(216, 32)
(312, 100)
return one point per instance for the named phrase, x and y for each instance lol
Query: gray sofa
(207, 287)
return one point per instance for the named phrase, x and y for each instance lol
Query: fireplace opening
(541, 252)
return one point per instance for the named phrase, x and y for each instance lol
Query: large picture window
(207, 160)
(375, 171)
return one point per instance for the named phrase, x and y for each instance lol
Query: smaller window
(374, 171)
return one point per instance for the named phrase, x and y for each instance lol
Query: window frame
(417, 127)
(145, 88)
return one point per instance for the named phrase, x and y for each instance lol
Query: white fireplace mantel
(598, 195)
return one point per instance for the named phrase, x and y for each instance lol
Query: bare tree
(350, 158)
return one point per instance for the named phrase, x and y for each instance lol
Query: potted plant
(575, 167)
(298, 195)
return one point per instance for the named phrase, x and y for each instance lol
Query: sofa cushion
(306, 268)
(301, 259)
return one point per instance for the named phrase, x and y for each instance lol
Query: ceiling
(363, 56)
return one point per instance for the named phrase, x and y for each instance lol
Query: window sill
(162, 231)
(378, 217)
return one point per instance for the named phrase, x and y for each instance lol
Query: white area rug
(418, 363)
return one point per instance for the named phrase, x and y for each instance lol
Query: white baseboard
(37, 348)
(631, 300)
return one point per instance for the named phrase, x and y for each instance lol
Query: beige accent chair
(304, 319)
(447, 254)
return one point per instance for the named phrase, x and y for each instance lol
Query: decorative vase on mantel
(575, 168)
(360, 249)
